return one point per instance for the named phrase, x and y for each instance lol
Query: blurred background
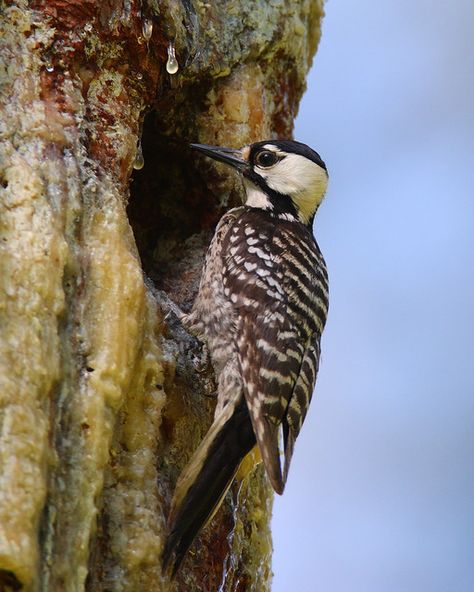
(380, 496)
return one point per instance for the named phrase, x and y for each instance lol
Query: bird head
(284, 177)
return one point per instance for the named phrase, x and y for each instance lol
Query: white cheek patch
(299, 178)
(293, 174)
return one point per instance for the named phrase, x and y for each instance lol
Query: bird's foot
(168, 306)
(202, 360)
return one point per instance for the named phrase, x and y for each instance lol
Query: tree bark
(102, 402)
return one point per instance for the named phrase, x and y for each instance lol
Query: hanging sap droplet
(172, 63)
(147, 29)
(139, 161)
(49, 68)
(139, 75)
(126, 13)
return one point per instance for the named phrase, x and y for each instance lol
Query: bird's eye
(266, 159)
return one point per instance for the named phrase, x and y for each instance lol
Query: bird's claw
(202, 362)
(169, 307)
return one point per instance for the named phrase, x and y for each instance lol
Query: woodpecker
(260, 310)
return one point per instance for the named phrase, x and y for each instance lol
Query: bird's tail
(204, 482)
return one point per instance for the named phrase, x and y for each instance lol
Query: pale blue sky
(380, 496)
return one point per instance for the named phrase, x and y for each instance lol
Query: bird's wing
(299, 401)
(272, 287)
(270, 368)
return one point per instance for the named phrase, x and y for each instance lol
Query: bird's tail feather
(206, 479)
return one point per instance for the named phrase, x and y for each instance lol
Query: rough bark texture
(101, 404)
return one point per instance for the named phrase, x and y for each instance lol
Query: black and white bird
(261, 309)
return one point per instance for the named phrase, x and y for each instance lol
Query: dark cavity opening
(175, 204)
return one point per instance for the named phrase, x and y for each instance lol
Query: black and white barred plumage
(261, 309)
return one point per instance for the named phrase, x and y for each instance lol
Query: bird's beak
(227, 155)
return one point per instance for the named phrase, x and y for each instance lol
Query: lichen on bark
(101, 403)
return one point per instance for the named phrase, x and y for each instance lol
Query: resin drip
(139, 161)
(172, 63)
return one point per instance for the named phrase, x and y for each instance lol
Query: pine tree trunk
(101, 401)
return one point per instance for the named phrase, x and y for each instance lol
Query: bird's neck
(278, 205)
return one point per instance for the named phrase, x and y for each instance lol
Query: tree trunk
(101, 402)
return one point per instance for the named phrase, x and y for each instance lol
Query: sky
(380, 496)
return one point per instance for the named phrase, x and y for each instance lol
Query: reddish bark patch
(67, 13)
